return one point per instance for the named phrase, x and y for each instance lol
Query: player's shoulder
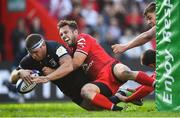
(27, 58)
(27, 62)
(85, 37)
(56, 49)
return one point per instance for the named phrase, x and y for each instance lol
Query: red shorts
(106, 77)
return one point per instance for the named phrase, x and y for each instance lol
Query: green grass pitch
(69, 109)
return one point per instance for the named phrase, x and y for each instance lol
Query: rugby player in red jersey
(107, 74)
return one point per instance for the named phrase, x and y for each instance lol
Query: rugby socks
(137, 87)
(114, 99)
(116, 108)
(140, 93)
(102, 101)
(144, 79)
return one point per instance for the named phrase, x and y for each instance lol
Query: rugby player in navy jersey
(55, 63)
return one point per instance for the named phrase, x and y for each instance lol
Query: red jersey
(96, 59)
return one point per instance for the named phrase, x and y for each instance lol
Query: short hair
(148, 57)
(150, 8)
(71, 23)
(33, 41)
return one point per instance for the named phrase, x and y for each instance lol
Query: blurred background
(109, 21)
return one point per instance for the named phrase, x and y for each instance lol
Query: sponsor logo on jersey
(61, 51)
(81, 42)
(53, 63)
(86, 66)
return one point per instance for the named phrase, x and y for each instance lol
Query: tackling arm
(139, 40)
(142, 38)
(64, 69)
(78, 59)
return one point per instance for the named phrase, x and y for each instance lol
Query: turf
(68, 109)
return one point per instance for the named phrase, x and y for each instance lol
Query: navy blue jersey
(71, 84)
(54, 52)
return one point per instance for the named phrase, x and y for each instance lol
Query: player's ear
(44, 44)
(151, 65)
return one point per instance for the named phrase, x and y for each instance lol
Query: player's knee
(88, 91)
(122, 72)
(125, 75)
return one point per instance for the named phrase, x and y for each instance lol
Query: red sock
(144, 79)
(102, 101)
(141, 92)
(138, 87)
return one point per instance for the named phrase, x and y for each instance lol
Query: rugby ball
(23, 86)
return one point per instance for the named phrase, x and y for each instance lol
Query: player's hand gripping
(119, 48)
(25, 75)
(47, 70)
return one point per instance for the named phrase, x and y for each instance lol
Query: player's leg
(89, 106)
(140, 93)
(124, 73)
(134, 97)
(92, 93)
(74, 92)
(125, 94)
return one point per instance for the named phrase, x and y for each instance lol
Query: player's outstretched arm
(63, 70)
(137, 41)
(66, 67)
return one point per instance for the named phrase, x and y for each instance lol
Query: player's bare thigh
(123, 72)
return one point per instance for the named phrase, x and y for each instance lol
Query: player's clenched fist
(119, 48)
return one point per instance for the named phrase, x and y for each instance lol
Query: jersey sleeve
(61, 51)
(83, 45)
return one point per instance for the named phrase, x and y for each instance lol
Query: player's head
(68, 31)
(148, 58)
(36, 46)
(150, 14)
